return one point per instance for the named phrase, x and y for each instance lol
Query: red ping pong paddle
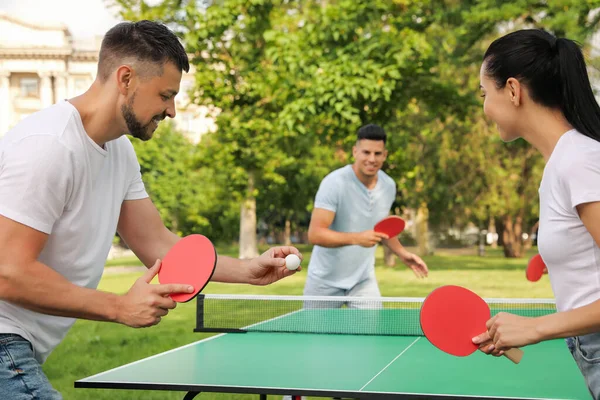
(192, 260)
(535, 268)
(391, 226)
(451, 316)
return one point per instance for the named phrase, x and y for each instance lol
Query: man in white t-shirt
(69, 179)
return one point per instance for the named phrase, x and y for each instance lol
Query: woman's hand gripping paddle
(452, 315)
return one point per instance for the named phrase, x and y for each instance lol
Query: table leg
(263, 397)
(191, 395)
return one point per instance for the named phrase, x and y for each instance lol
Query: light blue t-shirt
(356, 209)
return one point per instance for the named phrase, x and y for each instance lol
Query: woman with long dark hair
(536, 87)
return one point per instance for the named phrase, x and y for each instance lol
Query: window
(30, 87)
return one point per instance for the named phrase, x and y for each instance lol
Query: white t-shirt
(55, 179)
(571, 177)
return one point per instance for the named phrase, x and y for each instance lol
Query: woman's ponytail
(578, 102)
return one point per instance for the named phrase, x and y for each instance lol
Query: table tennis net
(392, 316)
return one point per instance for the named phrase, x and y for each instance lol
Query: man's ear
(124, 76)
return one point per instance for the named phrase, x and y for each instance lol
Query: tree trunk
(278, 235)
(304, 236)
(248, 242)
(422, 227)
(512, 237)
(287, 236)
(493, 233)
(529, 242)
(389, 258)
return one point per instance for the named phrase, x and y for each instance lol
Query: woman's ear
(513, 87)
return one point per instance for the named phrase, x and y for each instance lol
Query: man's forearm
(326, 237)
(37, 287)
(154, 247)
(231, 270)
(228, 269)
(396, 247)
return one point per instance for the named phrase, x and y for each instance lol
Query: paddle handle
(514, 355)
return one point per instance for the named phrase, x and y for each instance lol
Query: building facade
(42, 64)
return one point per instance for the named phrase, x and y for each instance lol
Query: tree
(227, 42)
(291, 74)
(166, 164)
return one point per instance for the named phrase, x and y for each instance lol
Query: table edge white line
(90, 378)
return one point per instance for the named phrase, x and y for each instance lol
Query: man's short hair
(147, 44)
(371, 132)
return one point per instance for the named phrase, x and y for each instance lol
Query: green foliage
(234, 73)
(295, 79)
(451, 156)
(180, 193)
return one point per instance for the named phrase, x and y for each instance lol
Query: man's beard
(135, 127)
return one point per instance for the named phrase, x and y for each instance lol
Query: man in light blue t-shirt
(349, 202)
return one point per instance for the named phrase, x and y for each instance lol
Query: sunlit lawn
(92, 347)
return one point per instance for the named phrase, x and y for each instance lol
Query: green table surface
(359, 366)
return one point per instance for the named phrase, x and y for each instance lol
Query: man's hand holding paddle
(369, 238)
(391, 226)
(145, 303)
(188, 267)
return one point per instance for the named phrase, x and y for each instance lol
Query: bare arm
(508, 330)
(579, 321)
(412, 261)
(319, 232)
(142, 229)
(26, 282)
(29, 283)
(396, 247)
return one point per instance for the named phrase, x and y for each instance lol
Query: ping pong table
(369, 359)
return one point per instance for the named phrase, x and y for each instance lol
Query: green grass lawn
(91, 347)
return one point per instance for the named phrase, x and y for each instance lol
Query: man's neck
(97, 112)
(368, 181)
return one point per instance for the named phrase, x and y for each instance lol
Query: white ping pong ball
(292, 262)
